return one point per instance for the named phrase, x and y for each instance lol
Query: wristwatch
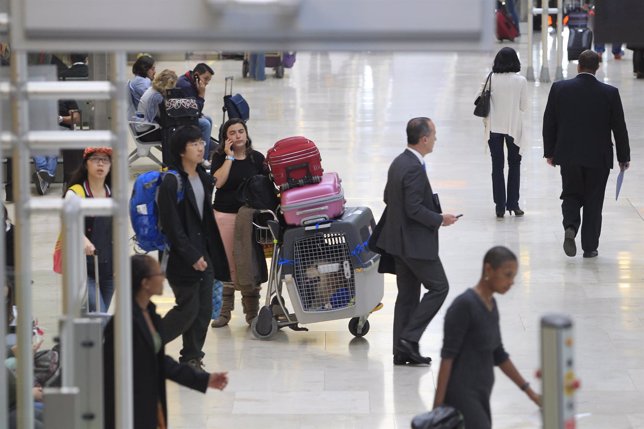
(230, 158)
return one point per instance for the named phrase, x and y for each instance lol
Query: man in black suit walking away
(409, 233)
(580, 115)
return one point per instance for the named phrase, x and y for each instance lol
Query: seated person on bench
(148, 108)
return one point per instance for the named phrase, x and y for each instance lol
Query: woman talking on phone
(234, 161)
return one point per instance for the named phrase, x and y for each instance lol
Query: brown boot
(227, 305)
(250, 302)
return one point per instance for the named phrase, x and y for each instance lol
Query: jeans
(106, 291)
(616, 48)
(514, 172)
(47, 163)
(257, 66)
(512, 10)
(205, 125)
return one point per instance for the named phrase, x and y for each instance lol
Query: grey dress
(473, 339)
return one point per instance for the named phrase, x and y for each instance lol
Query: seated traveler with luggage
(144, 71)
(151, 366)
(472, 344)
(234, 161)
(148, 108)
(194, 83)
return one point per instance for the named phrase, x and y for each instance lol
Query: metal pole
(545, 74)
(4, 400)
(22, 192)
(560, 29)
(123, 314)
(72, 283)
(529, 74)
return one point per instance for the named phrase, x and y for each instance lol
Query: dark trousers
(583, 187)
(411, 317)
(190, 316)
(514, 171)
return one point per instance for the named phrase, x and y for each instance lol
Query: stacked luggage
(308, 195)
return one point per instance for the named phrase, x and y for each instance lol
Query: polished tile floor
(355, 107)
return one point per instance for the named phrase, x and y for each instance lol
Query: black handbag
(441, 417)
(482, 102)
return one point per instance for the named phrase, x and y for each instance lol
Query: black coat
(190, 236)
(410, 228)
(149, 369)
(580, 115)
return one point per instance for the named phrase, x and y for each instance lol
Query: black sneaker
(44, 175)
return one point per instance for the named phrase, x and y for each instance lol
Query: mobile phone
(459, 215)
(196, 78)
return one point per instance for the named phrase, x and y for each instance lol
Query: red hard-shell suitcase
(505, 28)
(293, 162)
(314, 203)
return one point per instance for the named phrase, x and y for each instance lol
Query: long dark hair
(80, 175)
(224, 132)
(506, 61)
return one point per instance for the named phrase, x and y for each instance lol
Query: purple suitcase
(314, 203)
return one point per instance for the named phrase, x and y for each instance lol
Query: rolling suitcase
(579, 40)
(314, 203)
(505, 28)
(293, 162)
(235, 105)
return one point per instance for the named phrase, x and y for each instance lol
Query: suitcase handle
(298, 167)
(315, 209)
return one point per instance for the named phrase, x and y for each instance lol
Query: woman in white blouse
(504, 124)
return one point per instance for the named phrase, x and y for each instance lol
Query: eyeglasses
(197, 143)
(99, 160)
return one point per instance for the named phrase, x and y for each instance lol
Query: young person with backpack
(234, 162)
(93, 179)
(196, 253)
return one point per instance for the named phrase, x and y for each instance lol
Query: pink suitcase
(313, 203)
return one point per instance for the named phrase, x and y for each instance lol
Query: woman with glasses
(151, 366)
(234, 161)
(93, 180)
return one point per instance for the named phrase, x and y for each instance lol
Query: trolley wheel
(353, 327)
(264, 326)
(279, 71)
(245, 68)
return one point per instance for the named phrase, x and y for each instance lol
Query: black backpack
(178, 110)
(258, 192)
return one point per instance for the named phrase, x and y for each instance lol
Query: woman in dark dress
(150, 365)
(472, 344)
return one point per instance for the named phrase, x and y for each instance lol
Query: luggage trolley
(278, 61)
(329, 273)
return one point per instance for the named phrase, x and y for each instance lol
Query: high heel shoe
(517, 212)
(500, 213)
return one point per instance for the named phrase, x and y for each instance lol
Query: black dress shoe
(591, 254)
(517, 211)
(410, 349)
(400, 359)
(500, 212)
(569, 246)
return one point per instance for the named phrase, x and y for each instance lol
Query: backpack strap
(180, 192)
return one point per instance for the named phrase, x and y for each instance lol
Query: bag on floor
(293, 162)
(235, 105)
(144, 211)
(217, 298)
(441, 417)
(505, 27)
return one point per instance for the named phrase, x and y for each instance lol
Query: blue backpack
(144, 211)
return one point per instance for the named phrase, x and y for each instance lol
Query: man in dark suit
(580, 115)
(409, 232)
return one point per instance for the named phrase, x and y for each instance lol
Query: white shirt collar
(417, 154)
(587, 74)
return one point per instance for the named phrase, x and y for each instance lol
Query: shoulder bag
(482, 102)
